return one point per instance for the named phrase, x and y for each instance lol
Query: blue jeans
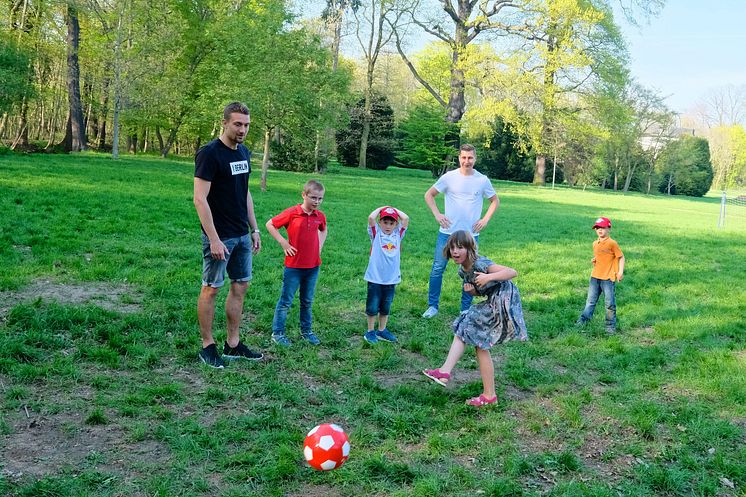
(595, 287)
(436, 275)
(292, 279)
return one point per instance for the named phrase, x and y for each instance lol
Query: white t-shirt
(385, 255)
(464, 196)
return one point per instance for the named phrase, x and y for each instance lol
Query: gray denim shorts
(237, 263)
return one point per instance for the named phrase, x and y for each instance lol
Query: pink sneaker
(437, 376)
(481, 401)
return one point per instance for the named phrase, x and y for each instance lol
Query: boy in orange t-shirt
(608, 268)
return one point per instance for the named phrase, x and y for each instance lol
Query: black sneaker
(209, 355)
(240, 351)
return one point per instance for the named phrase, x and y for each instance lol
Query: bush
(381, 143)
(422, 139)
(293, 154)
(685, 167)
(502, 158)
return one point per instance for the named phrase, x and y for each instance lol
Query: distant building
(655, 136)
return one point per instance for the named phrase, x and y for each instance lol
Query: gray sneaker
(430, 312)
(281, 340)
(209, 355)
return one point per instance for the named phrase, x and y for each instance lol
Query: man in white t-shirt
(464, 190)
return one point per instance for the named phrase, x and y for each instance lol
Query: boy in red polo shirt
(306, 229)
(608, 268)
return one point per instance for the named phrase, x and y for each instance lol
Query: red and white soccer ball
(326, 447)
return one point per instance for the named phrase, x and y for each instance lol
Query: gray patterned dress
(497, 319)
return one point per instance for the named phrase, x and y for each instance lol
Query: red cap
(602, 222)
(389, 212)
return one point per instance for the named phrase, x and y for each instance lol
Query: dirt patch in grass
(122, 298)
(40, 446)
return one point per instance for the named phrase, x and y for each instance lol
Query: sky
(692, 47)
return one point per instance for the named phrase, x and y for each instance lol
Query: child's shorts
(379, 299)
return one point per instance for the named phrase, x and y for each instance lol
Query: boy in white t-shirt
(383, 272)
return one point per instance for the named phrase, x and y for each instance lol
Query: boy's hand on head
(469, 288)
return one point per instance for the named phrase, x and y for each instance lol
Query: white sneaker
(430, 312)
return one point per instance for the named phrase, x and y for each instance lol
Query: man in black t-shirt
(226, 212)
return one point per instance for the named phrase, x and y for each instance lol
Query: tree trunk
(132, 142)
(22, 137)
(541, 169)
(265, 158)
(547, 112)
(336, 36)
(3, 123)
(616, 171)
(628, 179)
(172, 134)
(76, 128)
(104, 115)
(316, 147)
(159, 136)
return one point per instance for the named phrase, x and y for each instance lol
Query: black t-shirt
(228, 172)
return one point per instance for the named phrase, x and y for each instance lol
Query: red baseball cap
(389, 211)
(602, 222)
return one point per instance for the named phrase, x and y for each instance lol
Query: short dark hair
(235, 107)
(313, 185)
(467, 147)
(461, 239)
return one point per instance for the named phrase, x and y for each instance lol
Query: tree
(421, 135)
(502, 157)
(459, 24)
(728, 149)
(685, 167)
(75, 138)
(15, 73)
(381, 144)
(376, 19)
(724, 106)
(333, 17)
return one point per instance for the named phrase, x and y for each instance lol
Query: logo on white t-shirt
(239, 167)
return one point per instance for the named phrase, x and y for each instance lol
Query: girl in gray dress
(495, 320)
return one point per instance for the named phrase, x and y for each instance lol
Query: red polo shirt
(303, 234)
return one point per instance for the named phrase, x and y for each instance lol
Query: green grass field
(101, 392)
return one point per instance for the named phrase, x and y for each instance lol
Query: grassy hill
(101, 392)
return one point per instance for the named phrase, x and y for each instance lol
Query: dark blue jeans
(292, 279)
(436, 275)
(595, 287)
(379, 299)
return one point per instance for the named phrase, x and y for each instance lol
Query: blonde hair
(461, 239)
(313, 185)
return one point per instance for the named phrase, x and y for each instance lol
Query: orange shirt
(607, 254)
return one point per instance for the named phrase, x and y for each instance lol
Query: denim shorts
(379, 299)
(237, 263)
